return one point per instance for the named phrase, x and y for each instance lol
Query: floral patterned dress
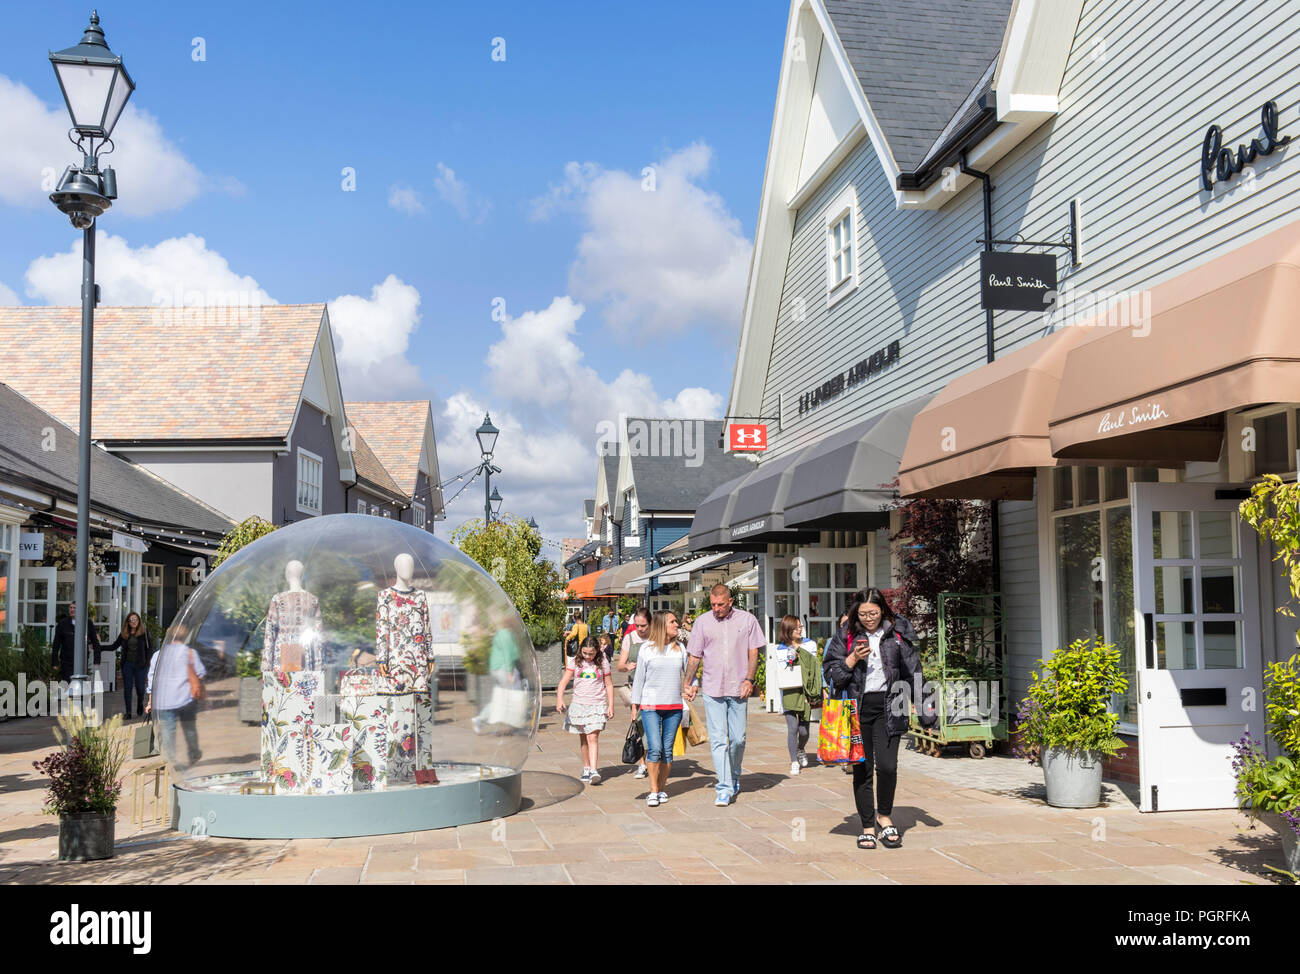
(293, 619)
(402, 646)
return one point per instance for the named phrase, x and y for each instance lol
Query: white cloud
(457, 193)
(660, 253)
(537, 362)
(8, 298)
(152, 174)
(373, 335)
(172, 273)
(406, 200)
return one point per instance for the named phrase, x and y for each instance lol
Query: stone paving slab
(965, 821)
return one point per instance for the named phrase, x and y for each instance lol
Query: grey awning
(758, 508)
(846, 481)
(711, 516)
(620, 580)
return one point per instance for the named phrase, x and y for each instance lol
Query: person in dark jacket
(875, 657)
(65, 639)
(136, 653)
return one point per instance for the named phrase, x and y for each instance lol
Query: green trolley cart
(967, 674)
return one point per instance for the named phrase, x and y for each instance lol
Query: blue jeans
(660, 732)
(137, 676)
(725, 717)
(167, 720)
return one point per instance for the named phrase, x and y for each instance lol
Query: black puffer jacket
(902, 672)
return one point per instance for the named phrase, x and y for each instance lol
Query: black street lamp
(95, 88)
(495, 501)
(487, 440)
(532, 523)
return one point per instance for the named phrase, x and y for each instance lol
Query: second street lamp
(495, 500)
(95, 88)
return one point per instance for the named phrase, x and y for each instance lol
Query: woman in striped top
(657, 696)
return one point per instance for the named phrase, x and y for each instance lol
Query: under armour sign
(748, 436)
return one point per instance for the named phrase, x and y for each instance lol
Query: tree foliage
(1273, 510)
(245, 532)
(511, 552)
(943, 546)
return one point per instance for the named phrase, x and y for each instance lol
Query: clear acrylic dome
(369, 655)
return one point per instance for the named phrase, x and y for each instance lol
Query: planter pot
(1290, 843)
(250, 699)
(86, 836)
(1073, 779)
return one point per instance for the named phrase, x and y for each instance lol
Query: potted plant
(1269, 791)
(84, 785)
(1066, 721)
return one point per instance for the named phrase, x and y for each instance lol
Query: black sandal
(866, 841)
(890, 837)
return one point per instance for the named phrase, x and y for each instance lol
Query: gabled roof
(677, 483)
(395, 432)
(607, 485)
(116, 485)
(917, 60)
(369, 467)
(159, 378)
(582, 554)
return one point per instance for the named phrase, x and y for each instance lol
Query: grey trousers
(796, 734)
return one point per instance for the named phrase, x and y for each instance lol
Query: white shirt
(169, 680)
(875, 664)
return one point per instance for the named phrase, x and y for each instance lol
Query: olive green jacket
(801, 700)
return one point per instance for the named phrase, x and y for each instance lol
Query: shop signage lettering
(1217, 160)
(1136, 415)
(850, 377)
(748, 436)
(31, 545)
(129, 542)
(740, 530)
(1011, 281)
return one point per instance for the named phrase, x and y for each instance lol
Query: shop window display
(389, 661)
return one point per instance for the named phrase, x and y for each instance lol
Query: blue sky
(522, 179)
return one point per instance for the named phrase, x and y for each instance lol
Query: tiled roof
(917, 61)
(395, 431)
(158, 378)
(369, 467)
(115, 484)
(680, 483)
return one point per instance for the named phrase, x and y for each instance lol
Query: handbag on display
(633, 749)
(291, 657)
(144, 742)
(839, 735)
(423, 776)
(361, 683)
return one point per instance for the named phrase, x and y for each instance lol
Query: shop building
(1115, 432)
(151, 541)
(400, 437)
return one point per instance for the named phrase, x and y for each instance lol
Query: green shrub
(1282, 703)
(1068, 705)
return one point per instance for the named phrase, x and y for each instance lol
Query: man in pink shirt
(727, 640)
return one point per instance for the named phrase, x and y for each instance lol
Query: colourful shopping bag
(839, 736)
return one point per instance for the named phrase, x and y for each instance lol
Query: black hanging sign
(1011, 281)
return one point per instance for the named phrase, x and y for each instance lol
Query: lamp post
(487, 440)
(95, 88)
(495, 500)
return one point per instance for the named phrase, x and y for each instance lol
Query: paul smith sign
(850, 377)
(1136, 416)
(1219, 161)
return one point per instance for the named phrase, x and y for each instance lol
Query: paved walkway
(964, 821)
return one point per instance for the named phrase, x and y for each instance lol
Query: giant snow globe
(345, 675)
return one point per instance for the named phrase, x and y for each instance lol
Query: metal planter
(86, 836)
(1073, 778)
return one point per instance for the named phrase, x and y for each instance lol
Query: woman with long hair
(798, 702)
(657, 695)
(137, 650)
(875, 658)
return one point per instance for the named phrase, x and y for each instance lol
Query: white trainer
(794, 767)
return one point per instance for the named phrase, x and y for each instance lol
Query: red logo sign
(748, 436)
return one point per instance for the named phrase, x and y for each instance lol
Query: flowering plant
(1264, 785)
(84, 774)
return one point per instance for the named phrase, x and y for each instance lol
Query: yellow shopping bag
(679, 743)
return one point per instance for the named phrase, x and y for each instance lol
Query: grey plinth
(222, 811)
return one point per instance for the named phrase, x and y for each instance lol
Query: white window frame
(844, 206)
(418, 515)
(151, 577)
(361, 506)
(314, 491)
(631, 518)
(374, 510)
(385, 512)
(1241, 464)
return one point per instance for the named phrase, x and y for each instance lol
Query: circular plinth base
(213, 805)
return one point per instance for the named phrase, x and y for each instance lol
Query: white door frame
(1188, 716)
(27, 574)
(827, 556)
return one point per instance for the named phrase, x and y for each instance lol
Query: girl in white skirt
(593, 702)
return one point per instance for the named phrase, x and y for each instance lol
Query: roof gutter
(949, 154)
